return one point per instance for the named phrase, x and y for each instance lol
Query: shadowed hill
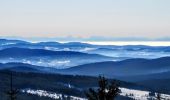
(128, 67)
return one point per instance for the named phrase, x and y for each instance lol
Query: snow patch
(141, 95)
(131, 93)
(52, 95)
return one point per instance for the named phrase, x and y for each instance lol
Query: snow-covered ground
(141, 95)
(131, 93)
(52, 95)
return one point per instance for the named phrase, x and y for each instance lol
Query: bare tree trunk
(12, 93)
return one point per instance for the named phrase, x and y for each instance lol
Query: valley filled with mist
(136, 67)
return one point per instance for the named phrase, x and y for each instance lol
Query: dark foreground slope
(51, 82)
(141, 71)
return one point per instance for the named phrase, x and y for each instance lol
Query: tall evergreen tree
(106, 90)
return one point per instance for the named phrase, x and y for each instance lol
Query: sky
(86, 19)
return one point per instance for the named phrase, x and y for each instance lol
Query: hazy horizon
(118, 43)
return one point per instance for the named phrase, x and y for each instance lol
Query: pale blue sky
(85, 18)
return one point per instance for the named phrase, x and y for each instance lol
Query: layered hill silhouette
(129, 70)
(49, 58)
(130, 67)
(13, 52)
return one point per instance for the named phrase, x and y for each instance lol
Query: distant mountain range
(123, 52)
(5, 41)
(24, 52)
(56, 59)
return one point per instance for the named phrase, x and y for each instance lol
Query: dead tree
(12, 93)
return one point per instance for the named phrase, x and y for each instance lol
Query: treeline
(80, 85)
(106, 91)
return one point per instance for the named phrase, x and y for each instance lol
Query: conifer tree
(106, 90)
